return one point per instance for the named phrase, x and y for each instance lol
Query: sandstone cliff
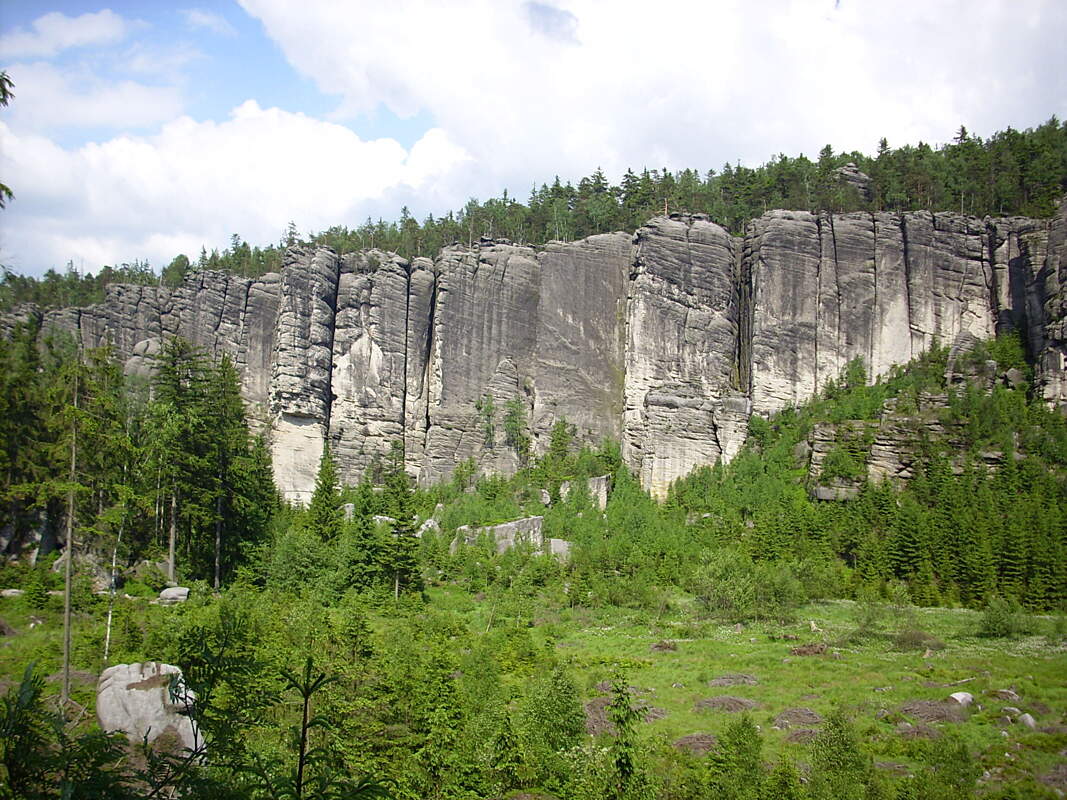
(666, 340)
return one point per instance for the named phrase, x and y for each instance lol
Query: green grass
(868, 677)
(598, 643)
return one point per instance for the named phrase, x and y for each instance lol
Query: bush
(912, 638)
(733, 588)
(1004, 619)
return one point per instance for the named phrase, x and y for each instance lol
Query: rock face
(666, 340)
(148, 700)
(507, 535)
(684, 403)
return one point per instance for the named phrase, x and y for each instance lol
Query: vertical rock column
(581, 337)
(300, 393)
(422, 309)
(783, 254)
(949, 278)
(683, 407)
(483, 341)
(1052, 356)
(369, 360)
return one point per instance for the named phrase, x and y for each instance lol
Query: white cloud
(198, 18)
(55, 32)
(195, 183)
(561, 86)
(50, 97)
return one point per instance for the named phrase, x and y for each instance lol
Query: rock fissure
(666, 340)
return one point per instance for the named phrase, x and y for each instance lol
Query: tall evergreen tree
(325, 515)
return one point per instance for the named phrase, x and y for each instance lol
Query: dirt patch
(915, 639)
(78, 677)
(813, 649)
(797, 717)
(893, 768)
(596, 717)
(697, 744)
(909, 731)
(665, 646)
(603, 686)
(5, 629)
(726, 703)
(801, 736)
(1055, 777)
(652, 713)
(934, 711)
(734, 679)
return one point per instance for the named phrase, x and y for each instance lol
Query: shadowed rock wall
(666, 340)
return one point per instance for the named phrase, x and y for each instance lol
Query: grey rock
(962, 698)
(1027, 720)
(560, 548)
(148, 700)
(851, 176)
(506, 535)
(173, 595)
(684, 399)
(597, 487)
(428, 525)
(667, 340)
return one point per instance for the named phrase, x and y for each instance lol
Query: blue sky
(141, 130)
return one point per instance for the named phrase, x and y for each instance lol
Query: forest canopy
(1012, 173)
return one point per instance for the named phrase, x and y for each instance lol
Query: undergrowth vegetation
(738, 640)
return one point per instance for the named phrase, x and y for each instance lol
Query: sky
(141, 130)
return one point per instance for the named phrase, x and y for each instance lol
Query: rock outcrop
(148, 702)
(505, 535)
(666, 340)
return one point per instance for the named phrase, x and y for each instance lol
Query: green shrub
(1004, 619)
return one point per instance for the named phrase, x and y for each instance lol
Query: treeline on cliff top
(1013, 173)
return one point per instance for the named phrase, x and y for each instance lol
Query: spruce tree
(325, 515)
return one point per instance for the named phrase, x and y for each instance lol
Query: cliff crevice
(667, 339)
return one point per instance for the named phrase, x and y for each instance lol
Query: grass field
(671, 659)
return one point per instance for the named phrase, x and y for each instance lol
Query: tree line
(1010, 173)
(164, 468)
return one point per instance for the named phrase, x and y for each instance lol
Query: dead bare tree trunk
(173, 534)
(68, 566)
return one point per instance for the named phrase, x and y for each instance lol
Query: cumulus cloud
(195, 183)
(532, 89)
(207, 20)
(55, 32)
(50, 97)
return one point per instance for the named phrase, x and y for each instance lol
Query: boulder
(148, 701)
(963, 698)
(506, 535)
(560, 548)
(173, 595)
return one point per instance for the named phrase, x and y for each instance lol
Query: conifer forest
(779, 624)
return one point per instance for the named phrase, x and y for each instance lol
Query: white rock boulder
(148, 701)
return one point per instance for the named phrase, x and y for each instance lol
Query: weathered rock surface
(667, 340)
(148, 700)
(506, 535)
(598, 488)
(683, 402)
(173, 595)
